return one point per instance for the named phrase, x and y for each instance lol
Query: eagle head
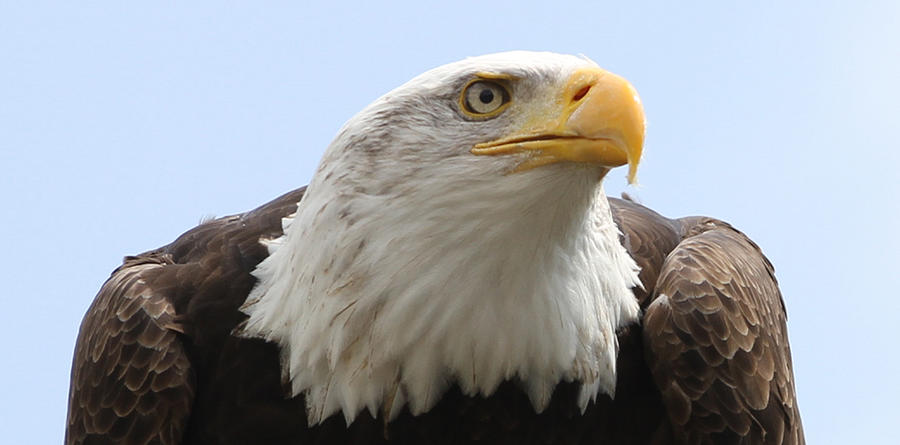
(456, 233)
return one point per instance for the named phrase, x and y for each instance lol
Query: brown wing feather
(716, 341)
(649, 237)
(150, 341)
(131, 380)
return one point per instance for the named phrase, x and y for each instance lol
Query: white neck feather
(384, 300)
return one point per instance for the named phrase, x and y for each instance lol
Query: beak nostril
(581, 93)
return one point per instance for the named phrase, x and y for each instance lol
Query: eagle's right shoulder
(134, 368)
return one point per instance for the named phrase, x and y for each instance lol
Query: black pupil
(486, 96)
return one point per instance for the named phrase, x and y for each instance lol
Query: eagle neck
(382, 301)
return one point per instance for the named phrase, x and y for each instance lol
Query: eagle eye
(484, 98)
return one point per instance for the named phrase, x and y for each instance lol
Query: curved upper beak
(597, 118)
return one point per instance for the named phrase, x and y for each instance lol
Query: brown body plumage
(156, 361)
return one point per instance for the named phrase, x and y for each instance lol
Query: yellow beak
(597, 118)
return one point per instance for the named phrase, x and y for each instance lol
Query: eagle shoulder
(132, 382)
(160, 314)
(716, 340)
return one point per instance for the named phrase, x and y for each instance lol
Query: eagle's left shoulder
(714, 328)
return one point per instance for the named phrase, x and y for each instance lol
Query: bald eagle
(454, 273)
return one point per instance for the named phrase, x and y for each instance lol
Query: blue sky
(121, 126)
